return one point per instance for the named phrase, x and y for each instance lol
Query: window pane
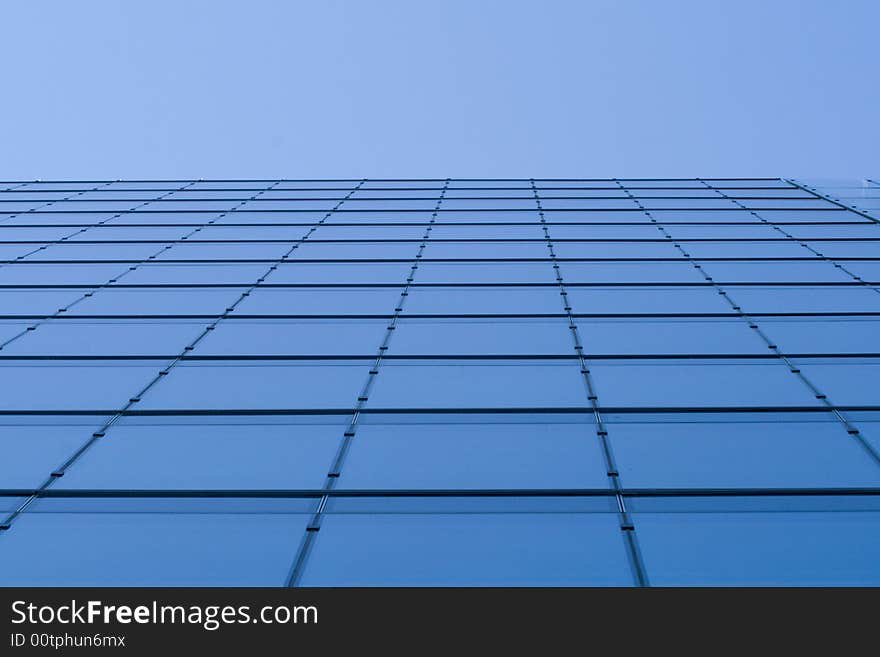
(72, 385)
(106, 338)
(227, 453)
(473, 454)
(805, 299)
(295, 338)
(505, 549)
(670, 336)
(698, 383)
(420, 384)
(158, 301)
(439, 300)
(833, 335)
(646, 300)
(321, 301)
(731, 454)
(150, 549)
(266, 385)
(31, 448)
(460, 337)
(849, 382)
(760, 549)
(485, 272)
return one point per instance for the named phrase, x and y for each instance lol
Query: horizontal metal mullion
(433, 357)
(75, 493)
(587, 410)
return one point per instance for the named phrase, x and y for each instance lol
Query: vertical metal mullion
(335, 470)
(625, 521)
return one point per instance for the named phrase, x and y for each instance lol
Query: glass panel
(497, 336)
(156, 274)
(341, 272)
(731, 453)
(321, 301)
(485, 272)
(25, 273)
(258, 385)
(536, 249)
(356, 250)
(629, 272)
(831, 335)
(698, 383)
(850, 382)
(646, 300)
(670, 336)
(158, 301)
(228, 251)
(31, 448)
(62, 385)
(524, 549)
(508, 300)
(474, 454)
(37, 302)
(222, 454)
(426, 384)
(288, 337)
(760, 549)
(150, 549)
(773, 272)
(106, 338)
(805, 299)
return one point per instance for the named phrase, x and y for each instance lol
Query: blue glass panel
(646, 300)
(805, 299)
(853, 249)
(485, 272)
(150, 549)
(31, 448)
(782, 272)
(106, 338)
(225, 251)
(669, 336)
(426, 384)
(698, 383)
(761, 549)
(59, 274)
(831, 335)
(258, 385)
(738, 454)
(73, 251)
(37, 302)
(213, 454)
(474, 454)
(73, 385)
(497, 336)
(356, 250)
(341, 272)
(849, 382)
(158, 301)
(155, 274)
(290, 337)
(321, 301)
(629, 272)
(536, 249)
(469, 549)
(439, 300)
(775, 249)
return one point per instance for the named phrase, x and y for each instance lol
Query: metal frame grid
(791, 224)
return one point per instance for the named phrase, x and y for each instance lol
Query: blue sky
(460, 88)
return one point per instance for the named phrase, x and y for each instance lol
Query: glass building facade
(440, 382)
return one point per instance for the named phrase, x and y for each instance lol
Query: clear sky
(113, 89)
